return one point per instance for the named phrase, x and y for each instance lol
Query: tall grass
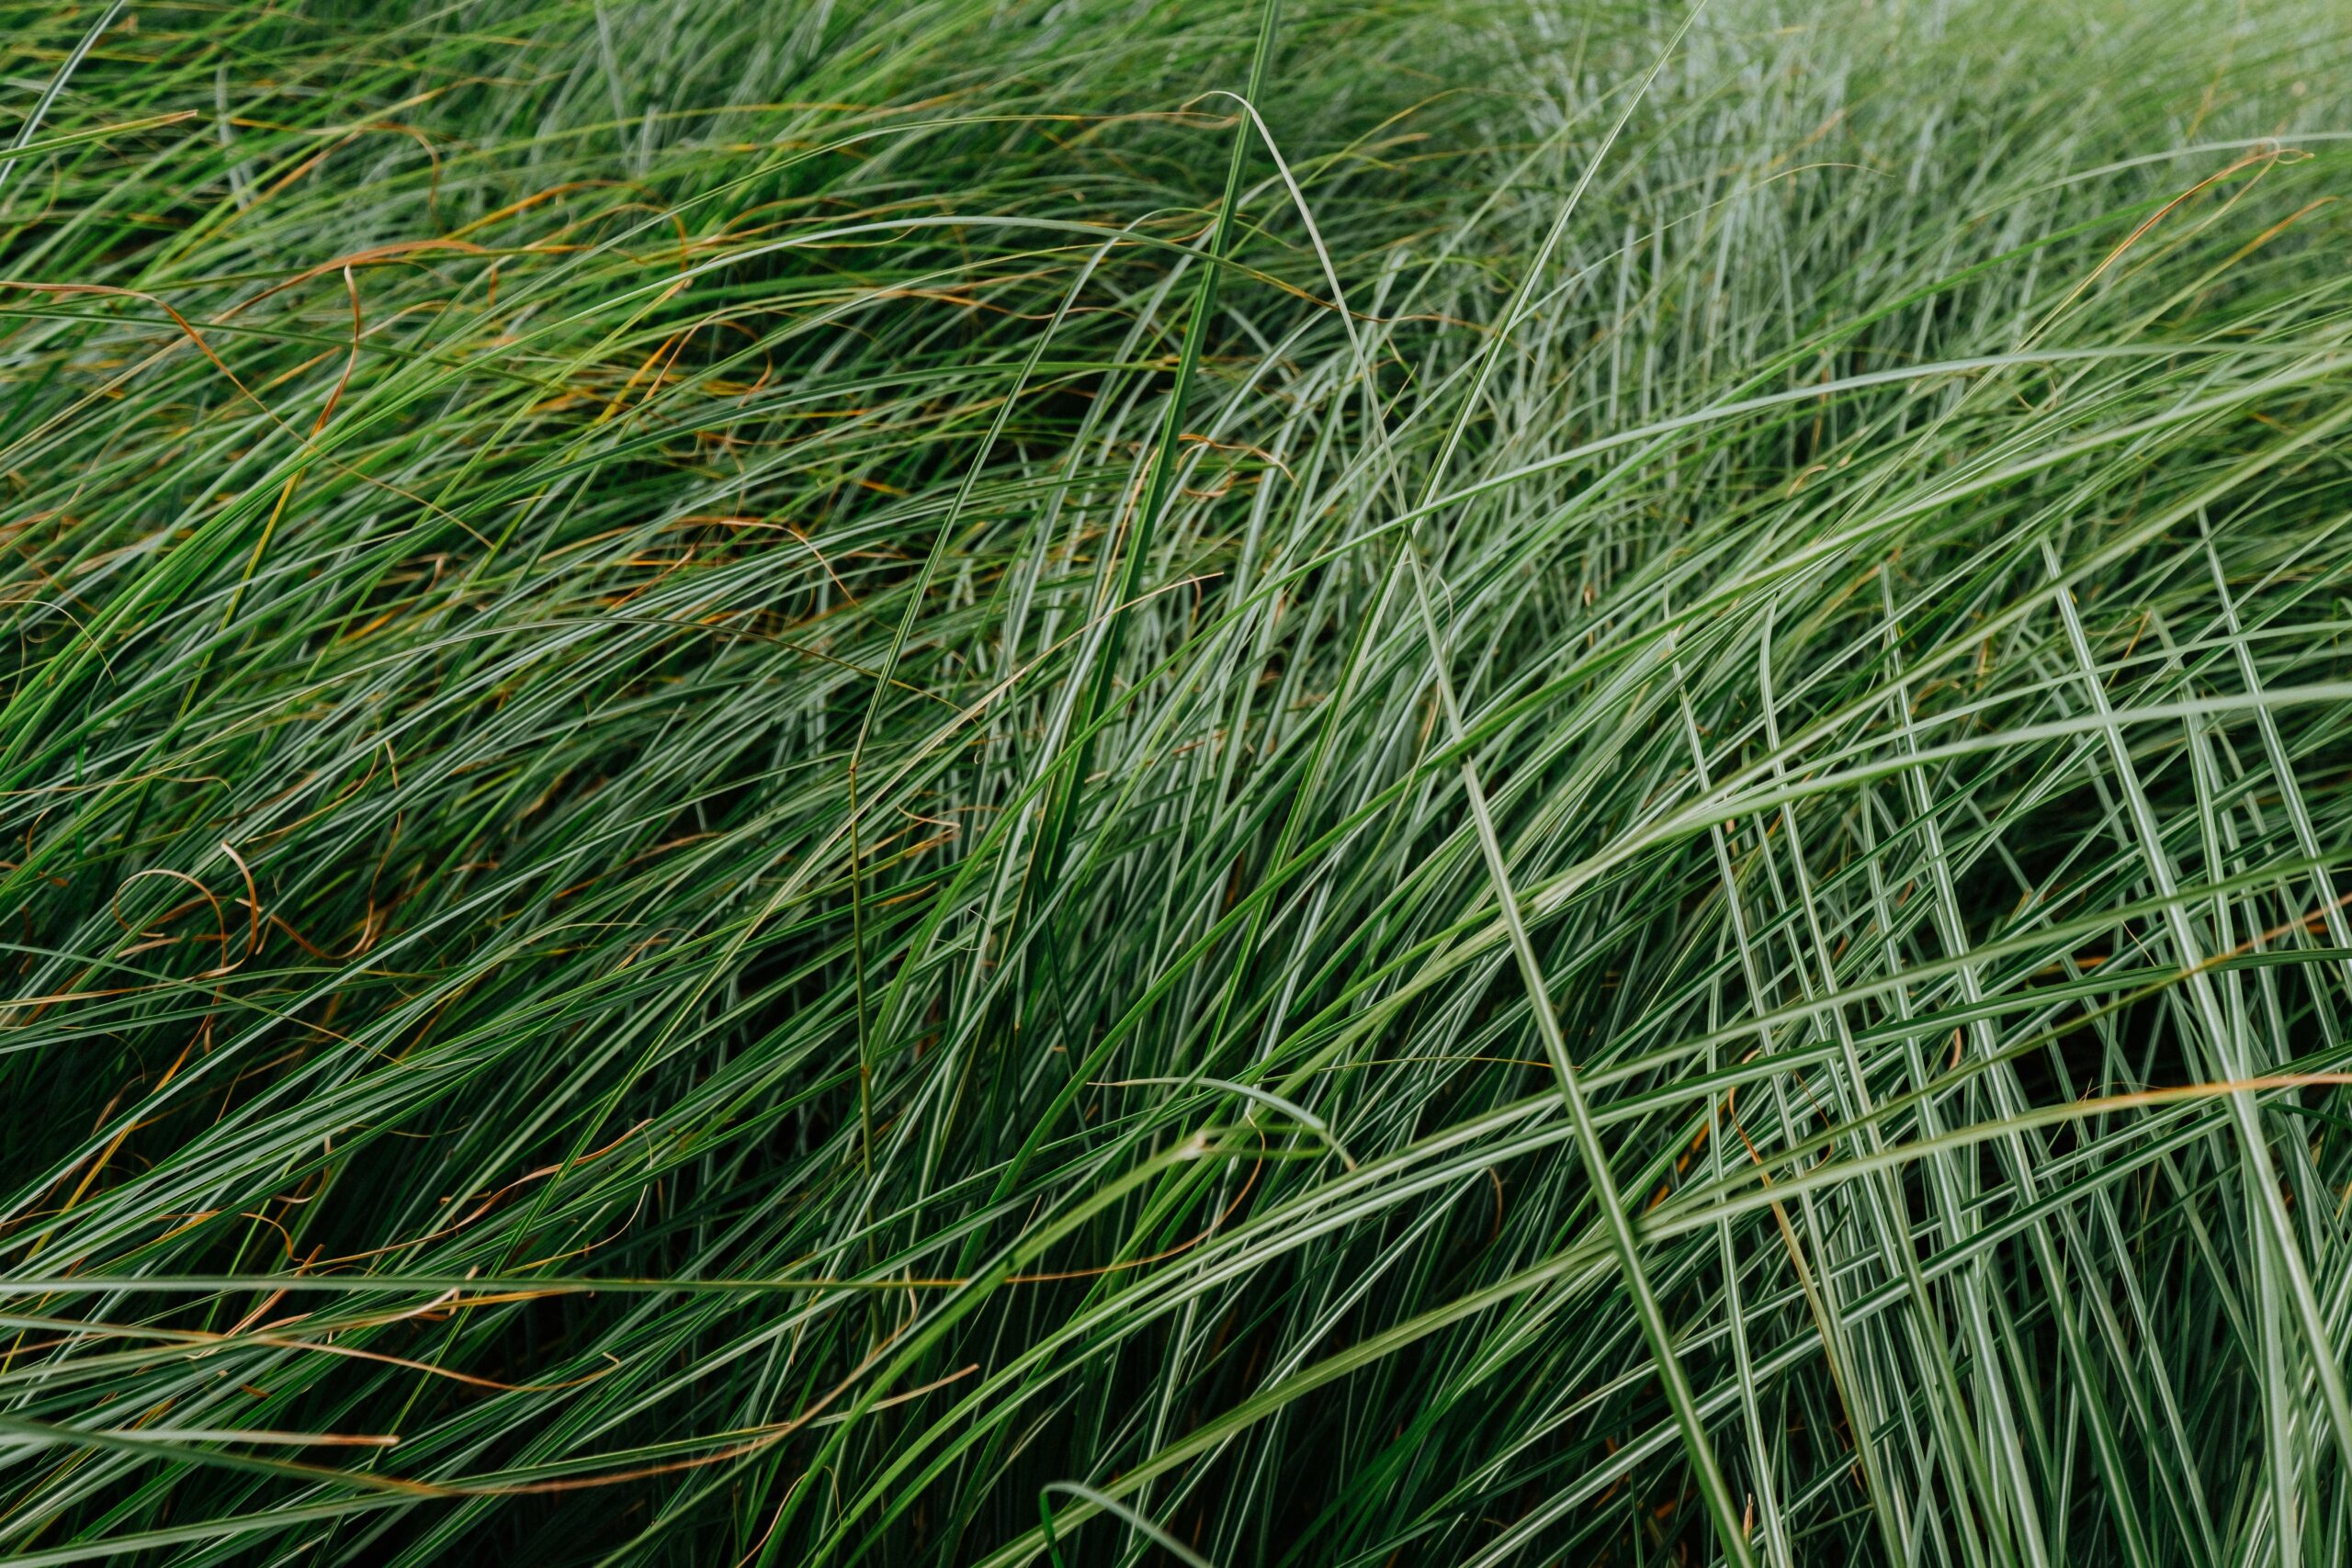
(979, 783)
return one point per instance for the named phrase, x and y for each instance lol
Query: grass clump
(996, 782)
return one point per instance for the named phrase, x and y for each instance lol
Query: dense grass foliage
(843, 783)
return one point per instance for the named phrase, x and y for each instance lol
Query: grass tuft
(1331, 786)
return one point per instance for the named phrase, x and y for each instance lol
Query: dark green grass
(824, 782)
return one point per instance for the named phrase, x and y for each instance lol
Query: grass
(849, 783)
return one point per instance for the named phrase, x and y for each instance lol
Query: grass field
(989, 781)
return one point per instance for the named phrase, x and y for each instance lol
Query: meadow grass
(976, 781)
